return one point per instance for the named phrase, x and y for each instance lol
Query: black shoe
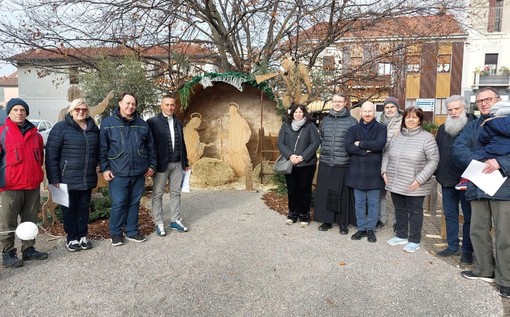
(73, 246)
(325, 227)
(358, 235)
(136, 238)
(447, 252)
(466, 258)
(371, 236)
(32, 254)
(10, 259)
(504, 291)
(395, 227)
(379, 224)
(344, 230)
(117, 240)
(470, 275)
(85, 244)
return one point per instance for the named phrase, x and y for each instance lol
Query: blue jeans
(451, 200)
(367, 208)
(76, 217)
(408, 216)
(125, 193)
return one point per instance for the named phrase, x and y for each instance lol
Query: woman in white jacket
(408, 164)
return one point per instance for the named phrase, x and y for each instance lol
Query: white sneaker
(160, 230)
(411, 247)
(73, 246)
(289, 222)
(304, 224)
(397, 240)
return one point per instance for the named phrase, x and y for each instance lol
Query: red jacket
(21, 157)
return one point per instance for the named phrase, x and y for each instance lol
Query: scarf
(296, 125)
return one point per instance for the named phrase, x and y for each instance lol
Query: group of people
(360, 161)
(125, 149)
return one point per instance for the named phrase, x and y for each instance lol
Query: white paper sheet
(59, 194)
(185, 181)
(489, 183)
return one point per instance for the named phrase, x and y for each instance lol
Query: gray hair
(454, 98)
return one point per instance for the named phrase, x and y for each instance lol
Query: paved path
(240, 259)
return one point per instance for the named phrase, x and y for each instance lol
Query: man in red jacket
(21, 174)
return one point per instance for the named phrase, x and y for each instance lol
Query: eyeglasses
(84, 110)
(487, 100)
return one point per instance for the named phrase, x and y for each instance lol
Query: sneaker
(73, 246)
(32, 254)
(117, 240)
(447, 252)
(371, 236)
(136, 238)
(325, 227)
(411, 247)
(462, 185)
(504, 291)
(10, 259)
(304, 224)
(178, 226)
(160, 231)
(85, 244)
(359, 234)
(470, 275)
(466, 258)
(396, 241)
(289, 222)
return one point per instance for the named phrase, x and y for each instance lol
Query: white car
(44, 127)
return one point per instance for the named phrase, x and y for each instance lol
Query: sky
(6, 69)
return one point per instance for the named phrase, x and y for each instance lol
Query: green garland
(187, 89)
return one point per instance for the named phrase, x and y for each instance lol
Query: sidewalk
(240, 259)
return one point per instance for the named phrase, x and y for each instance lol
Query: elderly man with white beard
(448, 175)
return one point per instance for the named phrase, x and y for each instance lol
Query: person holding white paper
(72, 153)
(487, 209)
(172, 160)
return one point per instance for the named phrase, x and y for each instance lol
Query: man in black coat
(448, 175)
(172, 161)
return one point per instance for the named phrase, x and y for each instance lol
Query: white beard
(454, 126)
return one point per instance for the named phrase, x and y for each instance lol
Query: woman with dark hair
(408, 164)
(298, 141)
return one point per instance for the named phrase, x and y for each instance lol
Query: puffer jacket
(72, 154)
(465, 149)
(333, 131)
(126, 147)
(496, 137)
(306, 146)
(411, 155)
(21, 157)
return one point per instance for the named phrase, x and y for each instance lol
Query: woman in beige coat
(408, 164)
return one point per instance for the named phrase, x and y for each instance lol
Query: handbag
(283, 165)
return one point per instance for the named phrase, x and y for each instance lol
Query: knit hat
(392, 100)
(16, 102)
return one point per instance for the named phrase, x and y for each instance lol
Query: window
(443, 63)
(440, 107)
(491, 62)
(384, 69)
(495, 15)
(328, 62)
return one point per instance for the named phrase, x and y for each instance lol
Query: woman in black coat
(298, 141)
(365, 142)
(71, 158)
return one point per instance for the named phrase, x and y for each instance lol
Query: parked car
(44, 127)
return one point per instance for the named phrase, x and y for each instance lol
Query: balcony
(496, 81)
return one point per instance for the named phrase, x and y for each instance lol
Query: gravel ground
(240, 259)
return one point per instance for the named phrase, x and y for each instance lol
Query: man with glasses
(486, 209)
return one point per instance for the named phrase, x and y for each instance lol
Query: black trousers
(299, 192)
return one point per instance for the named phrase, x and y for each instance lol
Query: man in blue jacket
(172, 160)
(127, 157)
(486, 209)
